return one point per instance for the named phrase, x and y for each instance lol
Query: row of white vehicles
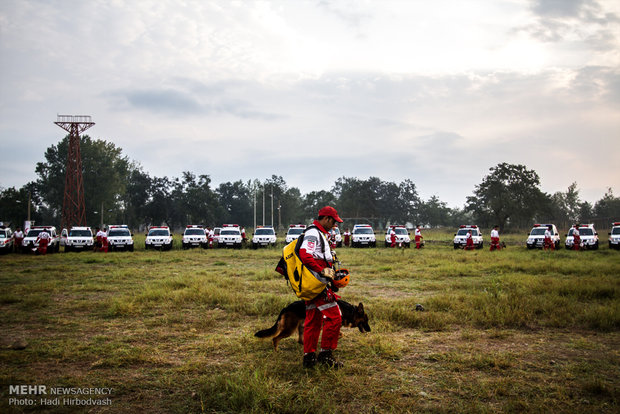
(119, 237)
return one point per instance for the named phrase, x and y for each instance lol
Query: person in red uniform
(104, 240)
(18, 238)
(576, 238)
(347, 237)
(392, 237)
(322, 312)
(548, 243)
(469, 241)
(418, 237)
(43, 240)
(495, 239)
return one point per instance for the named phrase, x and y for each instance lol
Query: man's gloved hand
(328, 272)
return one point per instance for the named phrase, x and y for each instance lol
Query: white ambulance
(79, 239)
(614, 236)
(294, 231)
(120, 238)
(587, 234)
(460, 237)
(263, 236)
(230, 236)
(158, 237)
(194, 236)
(363, 236)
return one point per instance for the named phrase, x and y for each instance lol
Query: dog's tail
(269, 332)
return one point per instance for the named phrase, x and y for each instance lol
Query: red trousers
(325, 315)
(42, 249)
(576, 243)
(548, 244)
(418, 242)
(495, 244)
(469, 244)
(393, 240)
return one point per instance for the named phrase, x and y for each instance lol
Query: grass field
(507, 331)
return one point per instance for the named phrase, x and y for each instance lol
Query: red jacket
(310, 251)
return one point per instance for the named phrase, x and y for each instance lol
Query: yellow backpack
(306, 283)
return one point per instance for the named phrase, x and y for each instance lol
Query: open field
(507, 331)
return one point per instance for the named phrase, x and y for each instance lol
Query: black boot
(309, 360)
(327, 359)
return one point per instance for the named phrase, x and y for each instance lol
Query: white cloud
(437, 92)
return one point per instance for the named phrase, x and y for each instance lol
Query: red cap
(329, 211)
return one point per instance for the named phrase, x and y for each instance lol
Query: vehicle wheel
(595, 246)
(373, 244)
(67, 249)
(456, 246)
(557, 245)
(386, 244)
(407, 245)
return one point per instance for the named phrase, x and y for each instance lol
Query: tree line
(118, 190)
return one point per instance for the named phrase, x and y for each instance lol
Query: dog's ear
(360, 307)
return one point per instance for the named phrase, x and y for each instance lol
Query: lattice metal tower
(73, 207)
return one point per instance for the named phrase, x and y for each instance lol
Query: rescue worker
(43, 240)
(18, 238)
(495, 239)
(243, 238)
(100, 235)
(322, 312)
(210, 235)
(392, 237)
(97, 243)
(469, 242)
(576, 238)
(548, 243)
(332, 238)
(418, 237)
(104, 240)
(347, 237)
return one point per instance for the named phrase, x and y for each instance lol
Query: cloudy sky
(434, 91)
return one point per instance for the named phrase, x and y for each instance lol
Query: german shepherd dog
(292, 318)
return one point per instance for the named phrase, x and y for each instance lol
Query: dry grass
(505, 331)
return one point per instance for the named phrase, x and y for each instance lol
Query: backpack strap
(300, 239)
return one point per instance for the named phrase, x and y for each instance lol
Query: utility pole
(263, 205)
(272, 205)
(254, 206)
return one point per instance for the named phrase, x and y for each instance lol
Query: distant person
(104, 240)
(210, 234)
(392, 237)
(495, 239)
(418, 237)
(18, 237)
(243, 238)
(347, 237)
(548, 243)
(43, 240)
(576, 238)
(469, 241)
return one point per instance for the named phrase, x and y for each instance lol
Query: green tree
(510, 194)
(608, 207)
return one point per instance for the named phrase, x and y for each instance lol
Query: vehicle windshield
(80, 233)
(194, 232)
(336, 230)
(474, 232)
(363, 230)
(295, 231)
(615, 230)
(2, 234)
(159, 232)
(586, 232)
(538, 231)
(264, 232)
(216, 231)
(119, 233)
(230, 233)
(400, 231)
(34, 233)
